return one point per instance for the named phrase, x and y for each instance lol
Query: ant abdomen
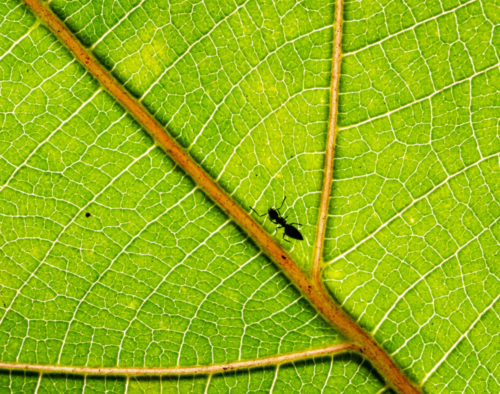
(280, 221)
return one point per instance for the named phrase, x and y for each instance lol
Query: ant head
(273, 213)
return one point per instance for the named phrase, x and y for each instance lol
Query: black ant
(280, 221)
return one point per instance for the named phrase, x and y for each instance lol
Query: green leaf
(110, 255)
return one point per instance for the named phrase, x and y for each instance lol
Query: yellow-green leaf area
(110, 255)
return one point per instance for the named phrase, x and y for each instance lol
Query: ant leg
(285, 238)
(258, 212)
(281, 206)
(298, 224)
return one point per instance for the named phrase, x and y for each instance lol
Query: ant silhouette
(280, 221)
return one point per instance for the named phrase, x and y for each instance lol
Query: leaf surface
(112, 256)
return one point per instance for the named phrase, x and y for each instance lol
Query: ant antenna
(284, 198)
(258, 214)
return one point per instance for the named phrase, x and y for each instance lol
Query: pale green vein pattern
(413, 236)
(229, 81)
(157, 275)
(111, 256)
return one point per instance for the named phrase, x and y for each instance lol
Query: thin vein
(423, 277)
(412, 27)
(191, 46)
(330, 145)
(463, 336)
(408, 207)
(193, 370)
(419, 100)
(13, 45)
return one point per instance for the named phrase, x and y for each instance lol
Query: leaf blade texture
(157, 275)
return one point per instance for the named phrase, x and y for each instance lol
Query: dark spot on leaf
(87, 214)
(283, 257)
